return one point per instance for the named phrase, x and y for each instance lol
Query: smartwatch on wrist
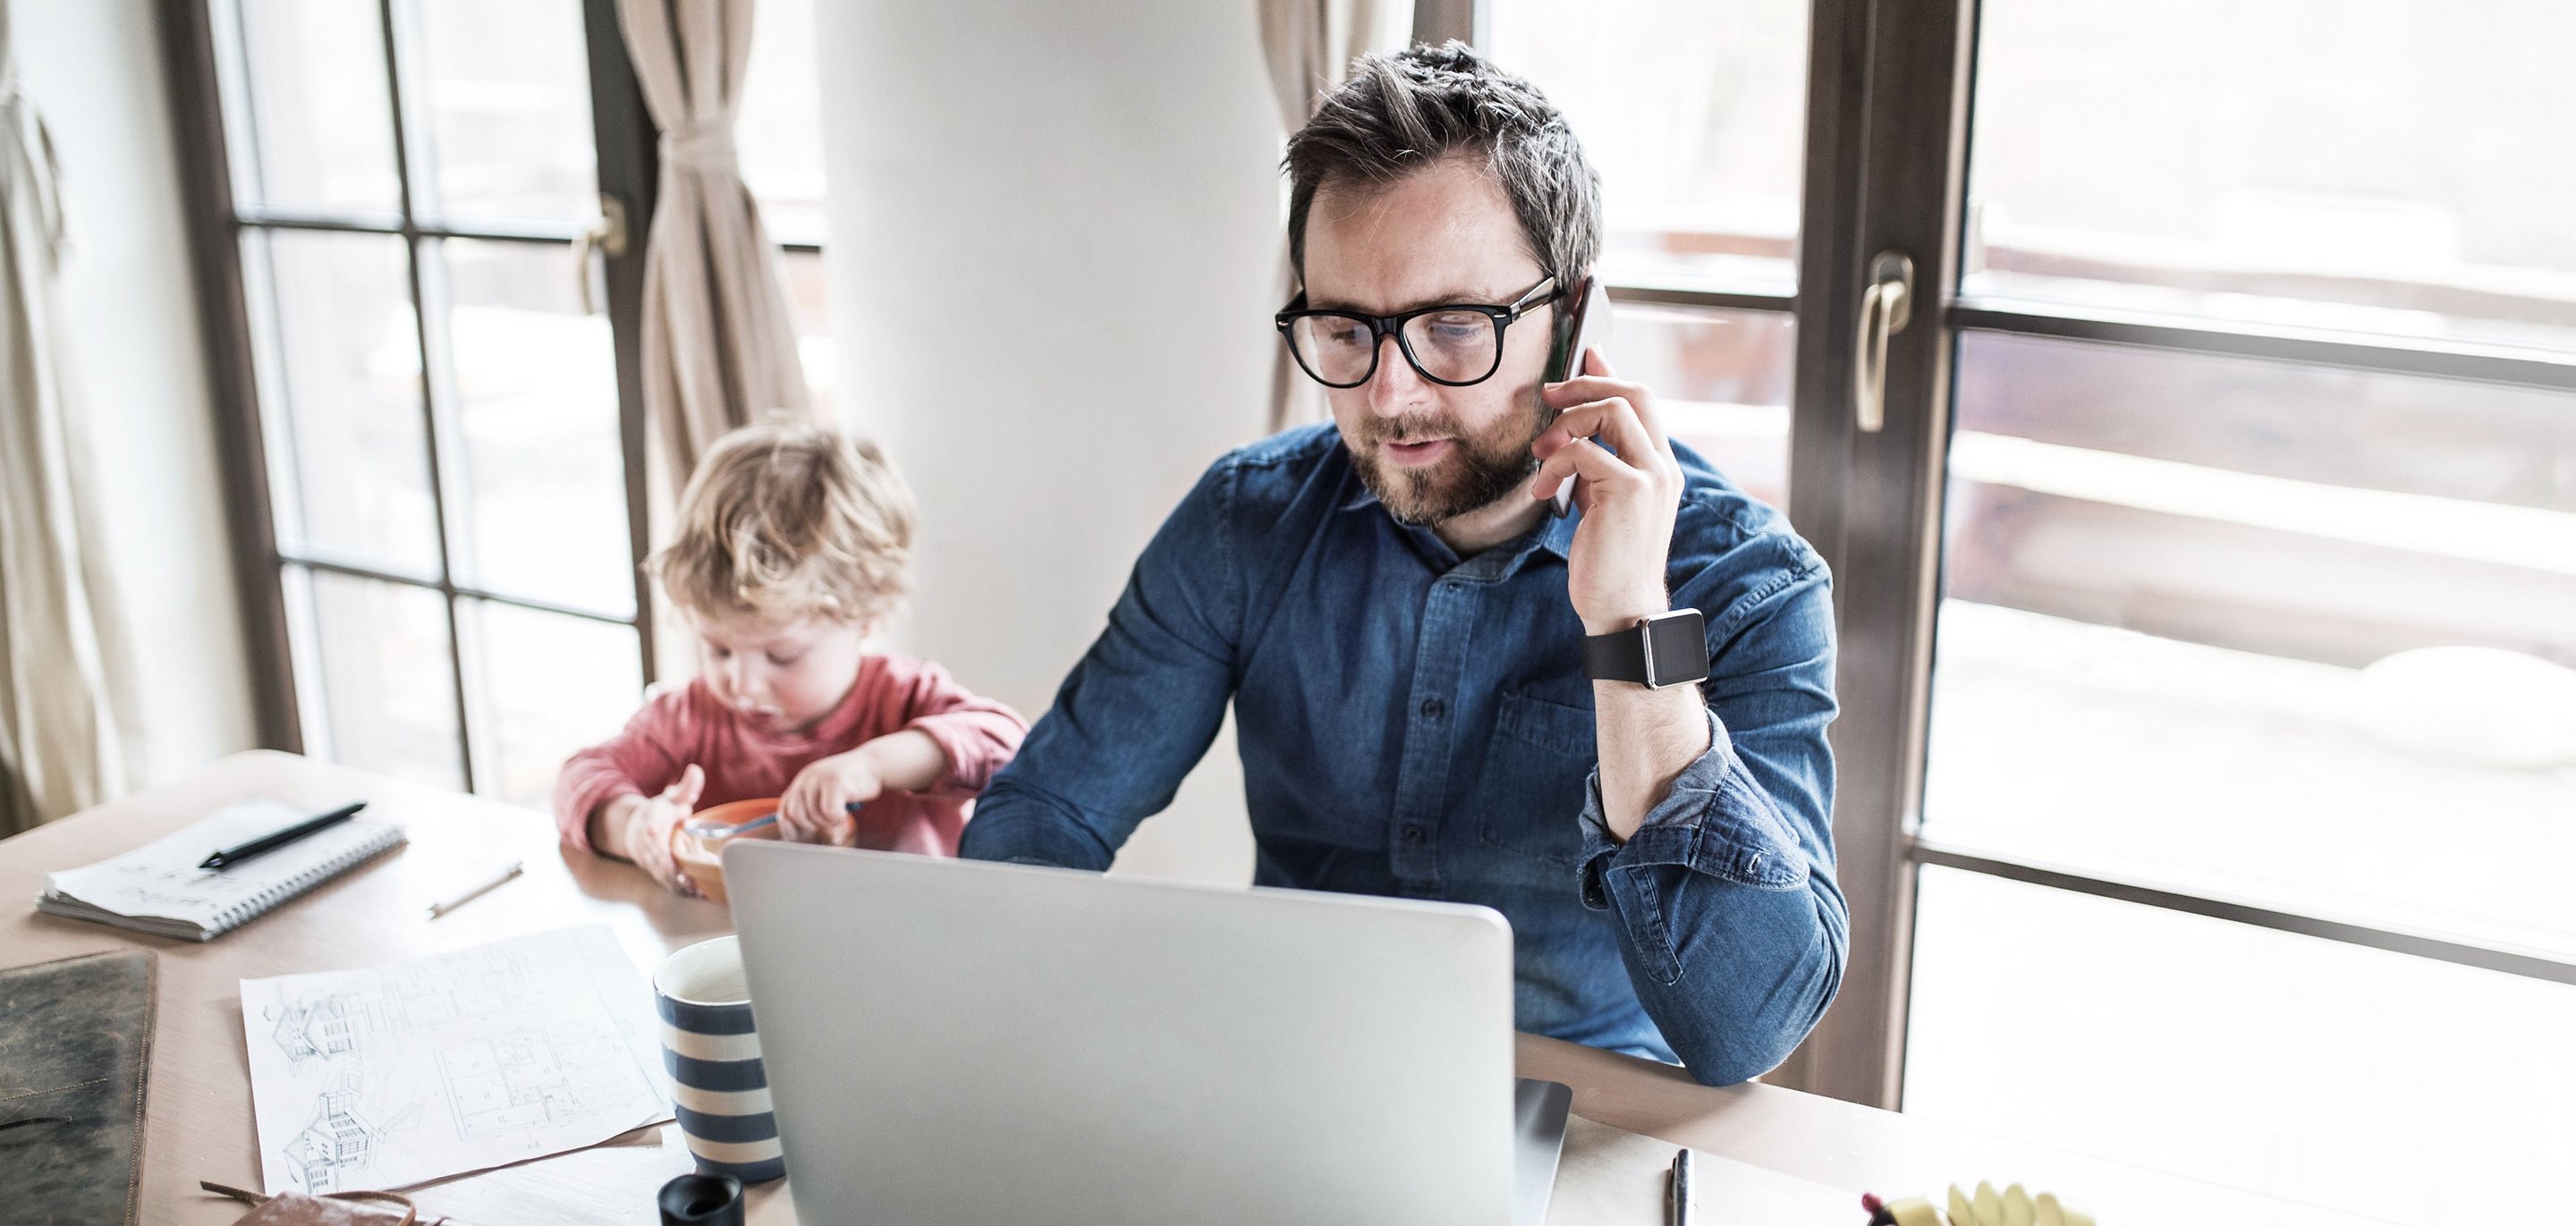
(1666, 649)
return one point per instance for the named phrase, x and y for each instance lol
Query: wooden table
(198, 1112)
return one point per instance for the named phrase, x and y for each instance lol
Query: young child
(792, 545)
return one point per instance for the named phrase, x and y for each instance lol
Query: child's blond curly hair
(788, 518)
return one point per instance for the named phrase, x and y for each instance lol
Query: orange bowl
(697, 854)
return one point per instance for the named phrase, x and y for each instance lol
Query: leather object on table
(332, 1209)
(75, 1057)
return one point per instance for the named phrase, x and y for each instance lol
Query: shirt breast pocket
(1529, 801)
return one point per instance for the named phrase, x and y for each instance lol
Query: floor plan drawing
(390, 1076)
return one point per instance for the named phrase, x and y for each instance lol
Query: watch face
(1677, 646)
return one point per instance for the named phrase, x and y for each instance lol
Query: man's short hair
(1401, 112)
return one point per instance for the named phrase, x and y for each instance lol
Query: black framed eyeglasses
(1457, 345)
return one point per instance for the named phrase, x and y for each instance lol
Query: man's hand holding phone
(1615, 568)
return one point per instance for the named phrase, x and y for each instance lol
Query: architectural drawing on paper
(320, 1028)
(386, 1077)
(336, 1144)
(521, 1079)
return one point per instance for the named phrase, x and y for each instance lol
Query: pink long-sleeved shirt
(891, 694)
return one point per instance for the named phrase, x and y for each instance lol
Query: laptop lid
(950, 1041)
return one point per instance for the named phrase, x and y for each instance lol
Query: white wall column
(1053, 232)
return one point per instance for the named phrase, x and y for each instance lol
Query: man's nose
(1395, 385)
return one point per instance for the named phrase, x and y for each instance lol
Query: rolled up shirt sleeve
(1727, 913)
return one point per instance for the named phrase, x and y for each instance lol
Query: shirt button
(1432, 707)
(1413, 836)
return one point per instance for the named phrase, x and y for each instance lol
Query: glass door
(2208, 581)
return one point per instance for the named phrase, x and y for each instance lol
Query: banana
(2014, 1206)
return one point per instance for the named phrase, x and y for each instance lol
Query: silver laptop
(952, 1042)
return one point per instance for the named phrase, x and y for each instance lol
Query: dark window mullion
(194, 51)
(228, 33)
(394, 77)
(2428, 357)
(498, 231)
(1727, 300)
(313, 560)
(625, 143)
(465, 626)
(2506, 957)
(415, 155)
(449, 465)
(275, 408)
(303, 662)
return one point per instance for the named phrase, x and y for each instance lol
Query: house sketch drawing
(337, 1143)
(390, 1076)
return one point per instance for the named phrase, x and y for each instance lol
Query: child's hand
(650, 825)
(816, 807)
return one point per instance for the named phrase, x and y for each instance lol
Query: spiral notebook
(158, 888)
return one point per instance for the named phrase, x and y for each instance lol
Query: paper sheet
(396, 1075)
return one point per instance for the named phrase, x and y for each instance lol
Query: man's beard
(1478, 471)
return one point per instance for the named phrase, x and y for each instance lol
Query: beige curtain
(719, 343)
(67, 706)
(1310, 45)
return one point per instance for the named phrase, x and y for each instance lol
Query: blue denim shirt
(1416, 724)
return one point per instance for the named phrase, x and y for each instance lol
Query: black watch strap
(1617, 656)
(1666, 649)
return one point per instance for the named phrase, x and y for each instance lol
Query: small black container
(701, 1200)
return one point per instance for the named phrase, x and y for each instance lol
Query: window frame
(1889, 94)
(207, 128)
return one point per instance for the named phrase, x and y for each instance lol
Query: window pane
(2390, 1086)
(806, 296)
(535, 395)
(1721, 382)
(388, 692)
(1694, 112)
(550, 685)
(340, 378)
(321, 119)
(2295, 632)
(2403, 173)
(780, 127)
(505, 103)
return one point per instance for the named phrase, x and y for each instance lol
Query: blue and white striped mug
(721, 1094)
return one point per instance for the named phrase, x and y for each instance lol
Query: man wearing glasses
(1610, 726)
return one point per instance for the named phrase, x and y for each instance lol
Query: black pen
(1677, 1191)
(231, 856)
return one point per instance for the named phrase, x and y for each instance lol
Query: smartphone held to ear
(1584, 327)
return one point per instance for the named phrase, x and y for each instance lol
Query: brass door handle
(607, 235)
(1886, 306)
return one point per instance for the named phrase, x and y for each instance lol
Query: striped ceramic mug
(721, 1094)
